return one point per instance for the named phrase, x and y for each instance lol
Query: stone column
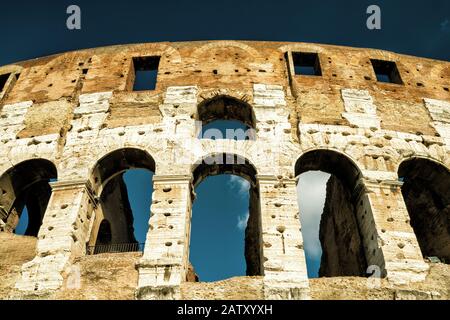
(62, 237)
(284, 263)
(164, 264)
(389, 240)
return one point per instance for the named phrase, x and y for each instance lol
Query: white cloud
(242, 221)
(311, 192)
(239, 184)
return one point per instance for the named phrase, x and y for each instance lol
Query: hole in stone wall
(126, 181)
(306, 64)
(386, 71)
(146, 72)
(426, 191)
(333, 242)
(28, 189)
(3, 79)
(225, 236)
(226, 108)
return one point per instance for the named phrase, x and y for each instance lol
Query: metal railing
(115, 248)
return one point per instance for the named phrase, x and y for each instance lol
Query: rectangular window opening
(146, 73)
(306, 64)
(3, 79)
(386, 71)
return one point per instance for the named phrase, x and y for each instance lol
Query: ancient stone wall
(73, 121)
(342, 248)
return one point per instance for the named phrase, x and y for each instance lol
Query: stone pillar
(62, 237)
(284, 263)
(164, 264)
(389, 240)
(440, 113)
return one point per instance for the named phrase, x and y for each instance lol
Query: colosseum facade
(377, 121)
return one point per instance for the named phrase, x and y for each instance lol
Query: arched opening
(426, 190)
(329, 202)
(225, 117)
(25, 188)
(226, 228)
(123, 182)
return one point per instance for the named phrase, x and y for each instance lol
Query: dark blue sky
(33, 29)
(36, 28)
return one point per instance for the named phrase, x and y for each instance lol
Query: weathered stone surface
(14, 251)
(239, 288)
(359, 109)
(436, 287)
(342, 248)
(78, 108)
(440, 113)
(102, 277)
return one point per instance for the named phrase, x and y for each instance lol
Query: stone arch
(220, 44)
(112, 196)
(151, 49)
(401, 160)
(426, 191)
(303, 47)
(342, 240)
(225, 107)
(172, 52)
(353, 166)
(223, 163)
(384, 55)
(26, 184)
(118, 161)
